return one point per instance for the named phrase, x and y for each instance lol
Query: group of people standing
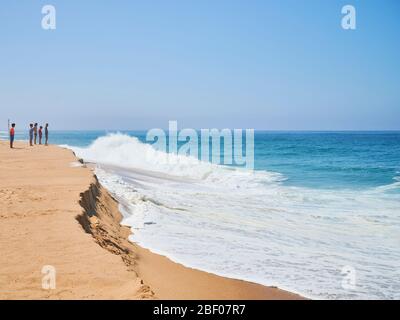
(35, 132)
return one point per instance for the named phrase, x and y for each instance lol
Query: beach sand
(54, 212)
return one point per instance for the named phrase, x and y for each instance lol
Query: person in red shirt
(12, 134)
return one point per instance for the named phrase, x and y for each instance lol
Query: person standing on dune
(40, 134)
(35, 132)
(12, 134)
(31, 134)
(46, 134)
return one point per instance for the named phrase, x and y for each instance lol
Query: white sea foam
(249, 225)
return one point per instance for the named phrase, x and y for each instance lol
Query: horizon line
(197, 129)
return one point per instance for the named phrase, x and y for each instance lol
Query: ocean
(319, 215)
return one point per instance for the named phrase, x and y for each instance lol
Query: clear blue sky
(266, 64)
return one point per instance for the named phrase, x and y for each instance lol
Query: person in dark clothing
(46, 134)
(40, 134)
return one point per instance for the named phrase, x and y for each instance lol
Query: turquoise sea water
(320, 215)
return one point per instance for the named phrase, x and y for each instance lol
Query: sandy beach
(54, 212)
